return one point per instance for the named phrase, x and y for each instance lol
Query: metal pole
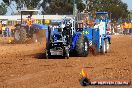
(21, 17)
(43, 19)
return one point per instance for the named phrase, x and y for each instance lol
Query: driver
(29, 21)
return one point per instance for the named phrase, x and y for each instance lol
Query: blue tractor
(28, 30)
(71, 36)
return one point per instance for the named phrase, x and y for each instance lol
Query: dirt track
(24, 66)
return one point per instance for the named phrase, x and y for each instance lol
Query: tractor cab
(101, 16)
(84, 20)
(61, 30)
(27, 17)
(101, 22)
(28, 14)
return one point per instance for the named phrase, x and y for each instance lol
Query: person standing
(3, 30)
(7, 31)
(126, 28)
(127, 32)
(131, 29)
(12, 30)
(122, 28)
(0, 27)
(108, 37)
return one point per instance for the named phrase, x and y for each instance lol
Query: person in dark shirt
(109, 38)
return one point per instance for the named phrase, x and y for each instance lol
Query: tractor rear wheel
(82, 46)
(23, 35)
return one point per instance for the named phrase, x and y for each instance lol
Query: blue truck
(69, 35)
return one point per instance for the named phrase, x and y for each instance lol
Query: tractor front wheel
(17, 36)
(105, 47)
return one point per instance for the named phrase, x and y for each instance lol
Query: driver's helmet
(29, 17)
(68, 23)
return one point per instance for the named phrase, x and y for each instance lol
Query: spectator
(108, 36)
(0, 27)
(130, 28)
(127, 32)
(8, 33)
(3, 30)
(122, 28)
(126, 28)
(12, 30)
(119, 28)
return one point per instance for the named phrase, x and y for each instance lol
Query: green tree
(130, 15)
(80, 6)
(3, 9)
(57, 7)
(29, 4)
(50, 6)
(117, 8)
(62, 6)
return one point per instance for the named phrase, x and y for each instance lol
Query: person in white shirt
(109, 37)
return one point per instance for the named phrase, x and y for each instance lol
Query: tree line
(116, 8)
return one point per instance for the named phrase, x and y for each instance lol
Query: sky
(129, 3)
